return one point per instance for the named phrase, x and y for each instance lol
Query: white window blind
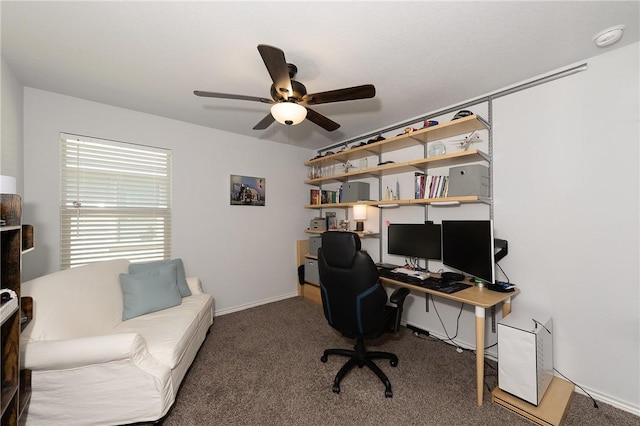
(115, 201)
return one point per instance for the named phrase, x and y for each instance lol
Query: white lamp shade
(360, 212)
(288, 113)
(7, 184)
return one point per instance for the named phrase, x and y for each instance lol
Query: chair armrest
(397, 298)
(83, 351)
(398, 295)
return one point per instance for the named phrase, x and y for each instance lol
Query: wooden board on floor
(550, 412)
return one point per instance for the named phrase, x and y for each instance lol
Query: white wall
(11, 129)
(566, 197)
(244, 255)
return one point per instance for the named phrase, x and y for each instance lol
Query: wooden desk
(481, 298)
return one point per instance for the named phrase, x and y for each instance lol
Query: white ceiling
(421, 56)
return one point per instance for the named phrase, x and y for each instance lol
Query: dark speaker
(452, 276)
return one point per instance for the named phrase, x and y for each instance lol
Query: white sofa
(89, 367)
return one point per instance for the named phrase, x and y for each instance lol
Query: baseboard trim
(239, 308)
(608, 399)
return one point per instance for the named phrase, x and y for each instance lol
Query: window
(115, 201)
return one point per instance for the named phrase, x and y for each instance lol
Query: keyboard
(444, 286)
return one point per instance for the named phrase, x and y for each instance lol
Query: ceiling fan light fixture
(288, 113)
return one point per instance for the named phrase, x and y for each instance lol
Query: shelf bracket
(493, 319)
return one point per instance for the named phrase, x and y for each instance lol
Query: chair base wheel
(360, 357)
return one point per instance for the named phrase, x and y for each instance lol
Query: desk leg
(506, 307)
(480, 312)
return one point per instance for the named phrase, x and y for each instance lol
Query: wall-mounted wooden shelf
(418, 137)
(416, 202)
(447, 160)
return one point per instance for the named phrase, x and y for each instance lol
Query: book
(315, 196)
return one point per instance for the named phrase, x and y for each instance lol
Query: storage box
(355, 191)
(318, 224)
(468, 180)
(525, 355)
(311, 274)
(314, 245)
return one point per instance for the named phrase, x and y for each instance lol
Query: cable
(414, 263)
(450, 339)
(595, 404)
(538, 323)
(458, 347)
(503, 272)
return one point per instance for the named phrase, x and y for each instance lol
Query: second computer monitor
(468, 246)
(422, 240)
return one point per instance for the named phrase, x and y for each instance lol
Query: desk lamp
(360, 215)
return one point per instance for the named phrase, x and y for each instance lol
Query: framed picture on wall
(247, 191)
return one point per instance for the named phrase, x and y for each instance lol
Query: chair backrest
(352, 297)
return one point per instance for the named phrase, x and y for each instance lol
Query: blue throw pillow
(183, 287)
(149, 291)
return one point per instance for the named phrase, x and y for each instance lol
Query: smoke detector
(609, 36)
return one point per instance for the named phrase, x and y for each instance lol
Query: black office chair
(355, 303)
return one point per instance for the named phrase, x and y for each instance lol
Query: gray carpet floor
(262, 366)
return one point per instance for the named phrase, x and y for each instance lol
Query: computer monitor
(422, 240)
(468, 246)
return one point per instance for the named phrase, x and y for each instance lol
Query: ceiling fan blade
(347, 94)
(322, 121)
(230, 96)
(265, 122)
(277, 66)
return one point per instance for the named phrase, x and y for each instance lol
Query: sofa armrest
(195, 285)
(83, 351)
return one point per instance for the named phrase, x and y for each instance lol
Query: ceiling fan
(290, 99)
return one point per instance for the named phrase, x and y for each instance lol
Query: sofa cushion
(168, 332)
(149, 291)
(181, 276)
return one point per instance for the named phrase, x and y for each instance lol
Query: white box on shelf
(525, 355)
